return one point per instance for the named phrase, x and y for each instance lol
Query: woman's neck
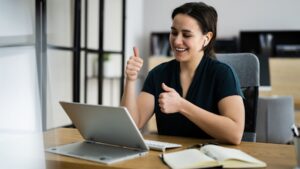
(190, 66)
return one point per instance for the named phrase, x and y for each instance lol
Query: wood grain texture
(277, 156)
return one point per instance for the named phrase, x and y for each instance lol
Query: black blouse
(212, 82)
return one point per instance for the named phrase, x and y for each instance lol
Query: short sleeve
(149, 85)
(227, 83)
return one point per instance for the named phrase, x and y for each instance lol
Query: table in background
(275, 155)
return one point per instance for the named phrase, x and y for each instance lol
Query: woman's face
(186, 38)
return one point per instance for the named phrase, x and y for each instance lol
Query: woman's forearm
(129, 100)
(223, 128)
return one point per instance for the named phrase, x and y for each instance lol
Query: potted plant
(108, 65)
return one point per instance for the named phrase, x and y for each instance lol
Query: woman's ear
(206, 41)
(208, 37)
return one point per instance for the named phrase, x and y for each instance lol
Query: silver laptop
(110, 134)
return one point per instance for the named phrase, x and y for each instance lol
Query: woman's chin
(180, 57)
(181, 60)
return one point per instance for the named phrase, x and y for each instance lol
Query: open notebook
(211, 156)
(110, 134)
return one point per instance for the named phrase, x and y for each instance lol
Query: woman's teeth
(180, 49)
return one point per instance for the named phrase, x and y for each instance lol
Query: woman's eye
(187, 36)
(174, 33)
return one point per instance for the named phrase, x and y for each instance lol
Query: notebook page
(223, 153)
(189, 158)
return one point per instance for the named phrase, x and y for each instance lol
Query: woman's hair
(206, 17)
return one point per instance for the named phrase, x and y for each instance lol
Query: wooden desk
(275, 155)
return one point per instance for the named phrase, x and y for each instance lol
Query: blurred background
(75, 50)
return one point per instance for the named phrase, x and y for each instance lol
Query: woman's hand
(169, 101)
(134, 65)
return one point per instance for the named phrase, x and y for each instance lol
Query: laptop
(110, 134)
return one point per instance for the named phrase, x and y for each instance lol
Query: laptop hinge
(95, 142)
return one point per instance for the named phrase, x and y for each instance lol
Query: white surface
(59, 86)
(19, 99)
(15, 18)
(60, 23)
(113, 25)
(22, 150)
(21, 141)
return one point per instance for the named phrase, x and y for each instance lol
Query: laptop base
(102, 153)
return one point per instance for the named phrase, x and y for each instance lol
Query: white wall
(19, 99)
(234, 15)
(21, 142)
(59, 63)
(15, 18)
(135, 35)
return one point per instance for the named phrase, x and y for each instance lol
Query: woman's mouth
(181, 49)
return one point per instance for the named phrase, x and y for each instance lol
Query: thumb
(166, 88)
(136, 52)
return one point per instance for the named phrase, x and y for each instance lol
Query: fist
(134, 65)
(169, 101)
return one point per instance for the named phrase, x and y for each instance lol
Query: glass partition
(20, 103)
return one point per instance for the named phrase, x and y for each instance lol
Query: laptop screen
(105, 124)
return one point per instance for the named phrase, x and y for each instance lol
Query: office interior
(75, 50)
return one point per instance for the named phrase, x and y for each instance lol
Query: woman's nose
(178, 39)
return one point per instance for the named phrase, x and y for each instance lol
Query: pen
(295, 130)
(162, 158)
(201, 145)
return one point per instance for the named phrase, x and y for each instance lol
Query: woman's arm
(227, 127)
(129, 100)
(140, 107)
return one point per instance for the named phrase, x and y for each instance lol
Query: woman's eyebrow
(184, 30)
(187, 31)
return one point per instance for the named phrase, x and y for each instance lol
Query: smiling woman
(193, 95)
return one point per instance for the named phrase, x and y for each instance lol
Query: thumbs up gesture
(169, 100)
(134, 65)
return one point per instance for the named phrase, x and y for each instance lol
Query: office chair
(275, 117)
(246, 66)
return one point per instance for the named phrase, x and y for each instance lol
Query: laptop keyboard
(160, 146)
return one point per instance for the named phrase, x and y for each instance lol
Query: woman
(193, 95)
